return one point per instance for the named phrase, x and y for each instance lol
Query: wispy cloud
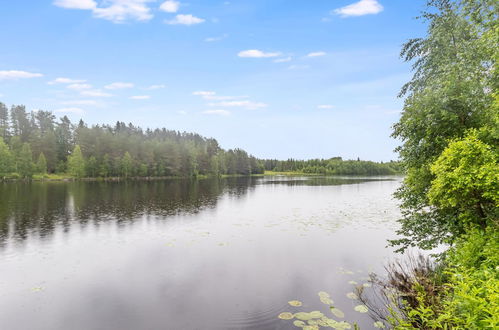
(95, 93)
(65, 81)
(117, 11)
(363, 7)
(240, 104)
(219, 38)
(209, 95)
(80, 102)
(140, 97)
(185, 20)
(153, 87)
(316, 54)
(74, 110)
(255, 53)
(325, 106)
(283, 60)
(16, 74)
(76, 4)
(170, 6)
(119, 85)
(79, 87)
(218, 112)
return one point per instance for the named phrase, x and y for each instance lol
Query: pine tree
(6, 159)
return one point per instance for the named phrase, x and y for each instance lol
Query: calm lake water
(180, 254)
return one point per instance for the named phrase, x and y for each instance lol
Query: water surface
(180, 254)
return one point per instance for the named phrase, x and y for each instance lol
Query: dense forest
(36, 144)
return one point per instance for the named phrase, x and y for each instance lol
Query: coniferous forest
(37, 144)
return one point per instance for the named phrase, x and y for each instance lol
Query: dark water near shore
(180, 254)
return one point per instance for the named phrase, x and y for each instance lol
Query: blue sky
(278, 78)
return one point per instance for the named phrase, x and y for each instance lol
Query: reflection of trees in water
(38, 208)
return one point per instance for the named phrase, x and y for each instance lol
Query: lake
(182, 254)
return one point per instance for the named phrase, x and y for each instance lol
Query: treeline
(36, 143)
(333, 166)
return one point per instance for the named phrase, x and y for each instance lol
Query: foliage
(333, 166)
(76, 163)
(455, 73)
(6, 159)
(41, 164)
(120, 150)
(467, 182)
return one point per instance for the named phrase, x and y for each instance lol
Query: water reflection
(180, 254)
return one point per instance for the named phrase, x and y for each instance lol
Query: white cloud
(203, 93)
(119, 85)
(182, 112)
(153, 87)
(15, 74)
(185, 20)
(74, 110)
(283, 60)
(242, 104)
(209, 95)
(213, 39)
(79, 87)
(363, 7)
(255, 53)
(95, 93)
(76, 4)
(65, 81)
(170, 6)
(316, 54)
(325, 106)
(140, 97)
(79, 102)
(116, 11)
(217, 112)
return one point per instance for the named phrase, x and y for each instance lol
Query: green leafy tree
(6, 159)
(76, 163)
(91, 167)
(126, 165)
(449, 94)
(467, 182)
(24, 164)
(4, 122)
(41, 164)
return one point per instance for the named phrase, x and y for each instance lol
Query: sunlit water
(211, 254)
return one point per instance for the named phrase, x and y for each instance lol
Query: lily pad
(337, 312)
(324, 294)
(303, 316)
(295, 303)
(299, 324)
(327, 300)
(361, 308)
(342, 325)
(352, 295)
(316, 314)
(379, 325)
(367, 285)
(352, 282)
(285, 316)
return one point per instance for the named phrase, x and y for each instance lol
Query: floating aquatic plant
(361, 308)
(295, 303)
(379, 325)
(337, 312)
(299, 323)
(286, 316)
